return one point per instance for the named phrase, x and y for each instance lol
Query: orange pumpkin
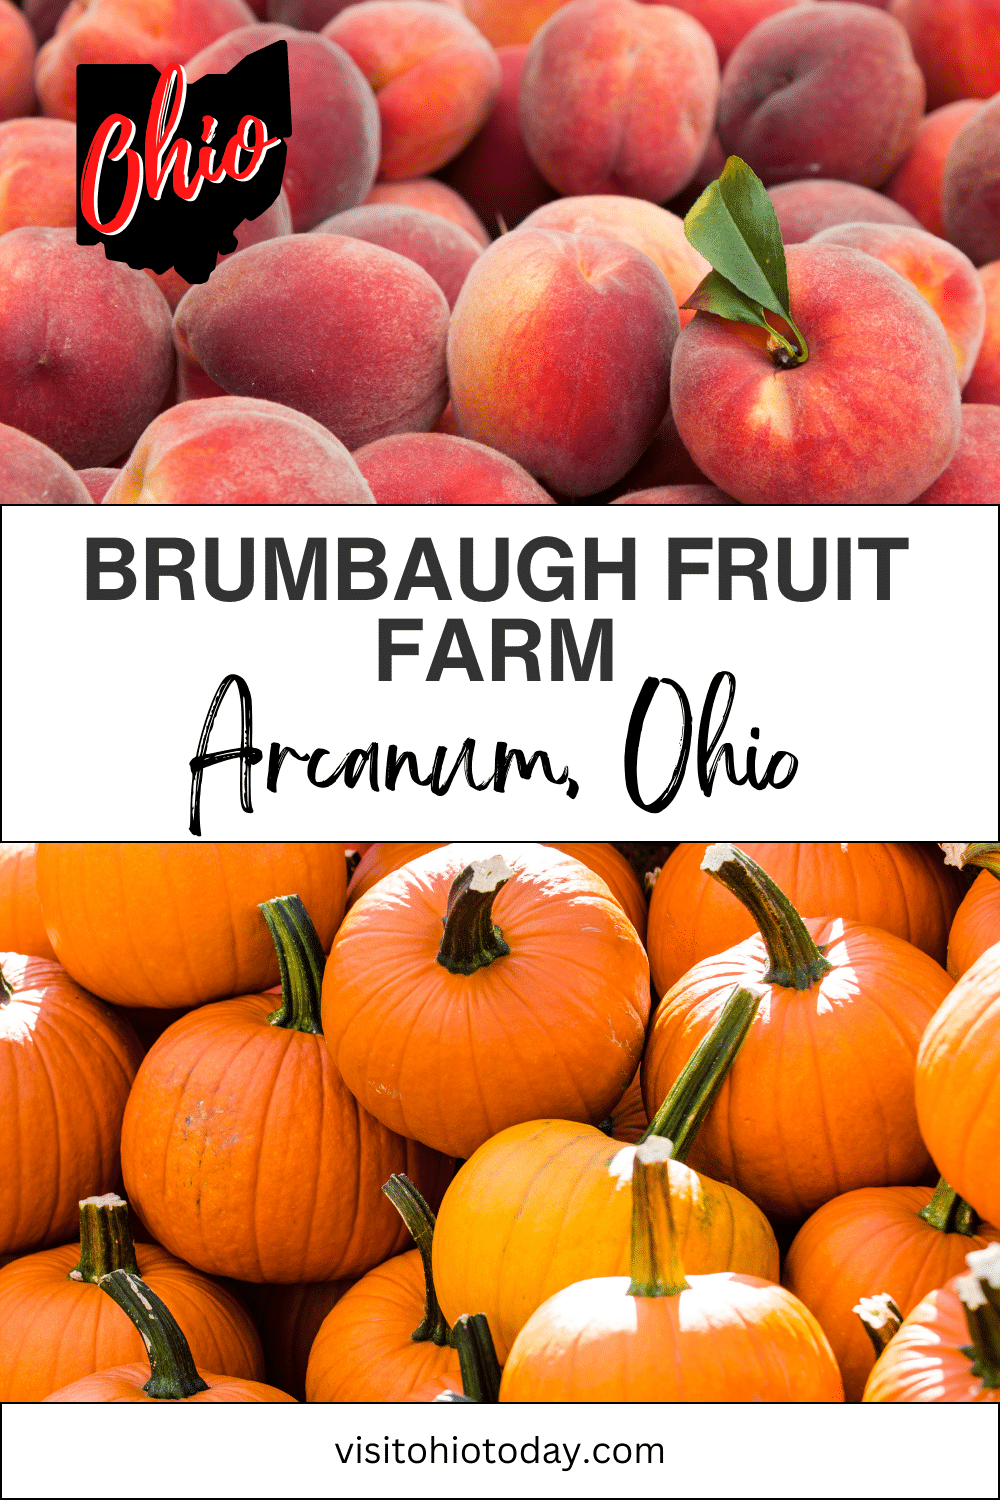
(57, 1326)
(532, 1001)
(170, 925)
(904, 888)
(289, 1318)
(66, 1067)
(976, 926)
(244, 1152)
(958, 1086)
(21, 927)
(628, 1118)
(820, 1099)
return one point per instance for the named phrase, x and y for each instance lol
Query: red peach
(273, 222)
(728, 21)
(665, 462)
(32, 474)
(445, 251)
(973, 476)
(917, 181)
(509, 23)
(956, 43)
(17, 63)
(430, 468)
(677, 494)
(807, 206)
(984, 385)
(446, 422)
(37, 173)
(434, 198)
(970, 191)
(43, 15)
(98, 482)
(312, 15)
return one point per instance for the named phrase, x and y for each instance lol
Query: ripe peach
(434, 75)
(236, 450)
(822, 91)
(44, 16)
(509, 23)
(956, 43)
(37, 173)
(312, 15)
(618, 97)
(32, 474)
(430, 468)
(445, 251)
(677, 494)
(558, 354)
(973, 476)
(970, 192)
(273, 222)
(984, 385)
(347, 332)
(728, 21)
(871, 417)
(916, 182)
(434, 198)
(98, 481)
(805, 207)
(17, 63)
(665, 462)
(940, 273)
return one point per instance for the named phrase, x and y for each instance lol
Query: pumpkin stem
(980, 1296)
(6, 989)
(880, 1318)
(693, 1091)
(986, 856)
(656, 1259)
(172, 1374)
(477, 1358)
(471, 939)
(948, 1212)
(301, 960)
(105, 1239)
(416, 1214)
(796, 962)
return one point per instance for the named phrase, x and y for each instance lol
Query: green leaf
(717, 295)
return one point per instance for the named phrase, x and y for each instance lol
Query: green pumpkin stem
(693, 1092)
(985, 856)
(172, 1373)
(656, 1259)
(796, 962)
(301, 960)
(416, 1214)
(880, 1318)
(477, 1357)
(980, 1296)
(6, 989)
(471, 938)
(105, 1239)
(948, 1212)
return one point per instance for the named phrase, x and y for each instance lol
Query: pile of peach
(367, 341)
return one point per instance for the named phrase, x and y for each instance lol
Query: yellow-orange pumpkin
(21, 927)
(976, 926)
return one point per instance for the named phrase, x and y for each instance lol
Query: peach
(618, 97)
(655, 231)
(237, 450)
(43, 16)
(941, 274)
(161, 32)
(665, 462)
(434, 198)
(312, 15)
(273, 222)
(973, 476)
(970, 192)
(495, 173)
(871, 417)
(350, 333)
(822, 91)
(334, 147)
(807, 206)
(728, 21)
(37, 173)
(31, 474)
(917, 181)
(956, 43)
(559, 354)
(434, 75)
(445, 251)
(85, 351)
(17, 63)
(677, 494)
(430, 468)
(984, 385)
(98, 481)
(508, 23)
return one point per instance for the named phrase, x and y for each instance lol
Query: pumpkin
(66, 1067)
(628, 1121)
(548, 1203)
(820, 1099)
(21, 927)
(660, 1336)
(958, 1086)
(171, 1373)
(289, 1318)
(56, 1325)
(977, 922)
(533, 1000)
(243, 1151)
(904, 888)
(889, 1237)
(174, 925)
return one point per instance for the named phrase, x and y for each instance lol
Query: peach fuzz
(984, 384)
(618, 97)
(161, 32)
(236, 450)
(655, 231)
(270, 225)
(941, 274)
(956, 43)
(508, 23)
(973, 476)
(879, 361)
(559, 355)
(17, 63)
(347, 332)
(677, 494)
(37, 173)
(98, 481)
(435, 78)
(728, 21)
(445, 251)
(917, 182)
(970, 192)
(431, 468)
(434, 198)
(822, 91)
(333, 150)
(85, 351)
(32, 474)
(807, 206)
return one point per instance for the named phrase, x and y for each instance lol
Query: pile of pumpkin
(456, 1133)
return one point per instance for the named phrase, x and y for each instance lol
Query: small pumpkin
(21, 927)
(977, 922)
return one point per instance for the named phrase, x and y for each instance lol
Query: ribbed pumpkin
(289, 1318)
(904, 888)
(820, 1099)
(548, 1203)
(56, 1325)
(663, 1337)
(177, 924)
(976, 926)
(243, 1151)
(533, 999)
(628, 1119)
(902, 1240)
(958, 1086)
(21, 927)
(66, 1066)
